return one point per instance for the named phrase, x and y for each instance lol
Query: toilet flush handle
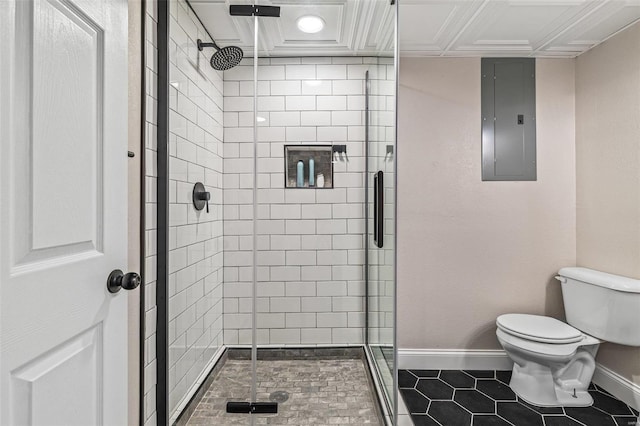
(561, 279)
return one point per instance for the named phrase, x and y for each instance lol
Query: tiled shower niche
(322, 166)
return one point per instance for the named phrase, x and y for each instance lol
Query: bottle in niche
(300, 175)
(320, 182)
(312, 172)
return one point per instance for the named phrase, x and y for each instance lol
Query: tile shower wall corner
(195, 237)
(310, 241)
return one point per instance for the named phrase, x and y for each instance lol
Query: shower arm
(202, 45)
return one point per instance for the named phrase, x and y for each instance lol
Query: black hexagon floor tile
(496, 390)
(435, 389)
(481, 374)
(423, 420)
(406, 379)
(474, 401)
(457, 379)
(415, 401)
(518, 413)
(449, 413)
(610, 404)
(489, 420)
(504, 376)
(626, 420)
(425, 373)
(542, 410)
(590, 416)
(560, 421)
(451, 398)
(593, 386)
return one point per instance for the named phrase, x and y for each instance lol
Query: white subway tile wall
(195, 237)
(311, 241)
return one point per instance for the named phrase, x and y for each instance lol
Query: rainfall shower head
(225, 58)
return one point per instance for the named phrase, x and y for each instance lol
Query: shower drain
(279, 396)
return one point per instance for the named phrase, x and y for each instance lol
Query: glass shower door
(245, 85)
(301, 231)
(381, 208)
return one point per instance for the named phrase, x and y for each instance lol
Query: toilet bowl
(553, 362)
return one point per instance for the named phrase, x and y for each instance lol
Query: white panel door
(63, 209)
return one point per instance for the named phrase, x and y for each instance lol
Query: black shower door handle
(378, 208)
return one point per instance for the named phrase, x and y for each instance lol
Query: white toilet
(553, 361)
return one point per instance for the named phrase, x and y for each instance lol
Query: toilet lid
(538, 328)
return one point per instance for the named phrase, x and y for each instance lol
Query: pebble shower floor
(321, 392)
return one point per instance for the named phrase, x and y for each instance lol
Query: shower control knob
(201, 197)
(118, 279)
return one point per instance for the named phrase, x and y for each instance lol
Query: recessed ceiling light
(310, 24)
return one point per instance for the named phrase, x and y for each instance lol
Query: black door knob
(117, 280)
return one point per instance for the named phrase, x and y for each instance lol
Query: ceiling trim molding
(571, 26)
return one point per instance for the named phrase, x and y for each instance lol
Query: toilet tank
(602, 305)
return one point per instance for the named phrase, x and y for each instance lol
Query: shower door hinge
(254, 10)
(252, 407)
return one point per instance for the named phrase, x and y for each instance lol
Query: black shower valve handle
(201, 197)
(204, 196)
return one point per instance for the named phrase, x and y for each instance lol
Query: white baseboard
(623, 389)
(454, 359)
(480, 359)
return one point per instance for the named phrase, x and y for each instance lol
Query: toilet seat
(537, 328)
(552, 350)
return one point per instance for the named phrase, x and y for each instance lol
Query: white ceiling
(541, 28)
(353, 27)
